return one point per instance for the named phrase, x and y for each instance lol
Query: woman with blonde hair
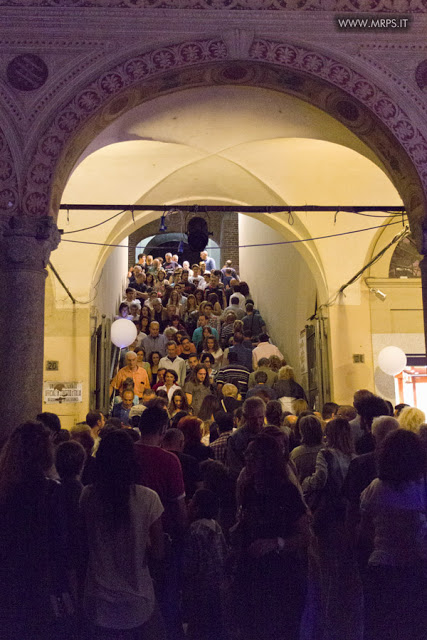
(287, 390)
(411, 418)
(231, 398)
(299, 406)
(230, 390)
(238, 326)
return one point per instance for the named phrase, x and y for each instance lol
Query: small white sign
(60, 392)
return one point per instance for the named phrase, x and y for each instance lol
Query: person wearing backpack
(341, 590)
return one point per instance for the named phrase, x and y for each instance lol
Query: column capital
(27, 241)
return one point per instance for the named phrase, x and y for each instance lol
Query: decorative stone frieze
(322, 79)
(345, 6)
(8, 178)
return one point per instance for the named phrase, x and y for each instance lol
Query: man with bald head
(130, 370)
(209, 262)
(155, 341)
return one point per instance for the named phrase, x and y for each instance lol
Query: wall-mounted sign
(61, 392)
(27, 72)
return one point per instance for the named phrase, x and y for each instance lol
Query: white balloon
(392, 360)
(123, 332)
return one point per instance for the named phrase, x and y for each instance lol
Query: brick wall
(230, 239)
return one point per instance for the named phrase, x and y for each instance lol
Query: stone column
(25, 246)
(423, 268)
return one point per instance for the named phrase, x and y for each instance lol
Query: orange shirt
(139, 376)
(192, 349)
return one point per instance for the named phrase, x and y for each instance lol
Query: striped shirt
(234, 374)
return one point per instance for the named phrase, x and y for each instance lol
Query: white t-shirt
(119, 591)
(399, 518)
(242, 299)
(171, 391)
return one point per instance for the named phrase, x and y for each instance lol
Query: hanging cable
(70, 295)
(403, 234)
(247, 246)
(375, 259)
(99, 223)
(61, 282)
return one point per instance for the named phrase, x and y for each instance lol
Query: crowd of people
(213, 503)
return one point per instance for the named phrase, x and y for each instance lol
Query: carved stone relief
(194, 63)
(8, 178)
(382, 6)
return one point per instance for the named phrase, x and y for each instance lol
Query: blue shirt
(121, 413)
(197, 335)
(244, 355)
(210, 264)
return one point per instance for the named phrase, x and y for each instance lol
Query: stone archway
(329, 84)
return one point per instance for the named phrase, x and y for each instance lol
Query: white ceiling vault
(229, 145)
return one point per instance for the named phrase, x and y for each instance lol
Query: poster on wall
(62, 392)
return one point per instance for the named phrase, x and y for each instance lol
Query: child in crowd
(204, 560)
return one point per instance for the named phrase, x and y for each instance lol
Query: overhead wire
(97, 225)
(404, 233)
(263, 244)
(284, 242)
(288, 212)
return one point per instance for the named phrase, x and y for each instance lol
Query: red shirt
(161, 471)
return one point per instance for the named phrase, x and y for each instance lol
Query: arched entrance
(330, 84)
(175, 243)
